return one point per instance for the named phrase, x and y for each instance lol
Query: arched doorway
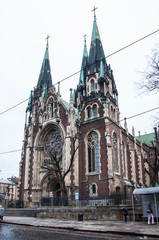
(50, 189)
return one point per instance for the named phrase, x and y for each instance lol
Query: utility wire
(11, 151)
(136, 115)
(14, 106)
(132, 43)
(141, 113)
(93, 64)
(112, 54)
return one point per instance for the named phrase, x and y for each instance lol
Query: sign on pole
(76, 195)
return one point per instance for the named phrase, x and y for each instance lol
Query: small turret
(84, 64)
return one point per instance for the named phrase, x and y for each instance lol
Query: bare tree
(153, 163)
(54, 160)
(150, 81)
(14, 179)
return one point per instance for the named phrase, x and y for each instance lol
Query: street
(14, 232)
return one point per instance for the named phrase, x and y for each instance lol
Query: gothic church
(109, 160)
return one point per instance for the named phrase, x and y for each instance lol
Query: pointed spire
(96, 49)
(45, 73)
(84, 63)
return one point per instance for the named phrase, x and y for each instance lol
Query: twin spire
(94, 62)
(96, 59)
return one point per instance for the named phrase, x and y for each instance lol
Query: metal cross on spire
(85, 37)
(47, 39)
(94, 9)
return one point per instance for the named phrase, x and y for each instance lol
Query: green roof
(66, 104)
(147, 138)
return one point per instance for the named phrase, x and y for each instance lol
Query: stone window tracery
(92, 111)
(93, 152)
(53, 146)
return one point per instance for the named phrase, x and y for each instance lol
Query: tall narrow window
(95, 110)
(52, 110)
(89, 112)
(92, 86)
(93, 152)
(123, 159)
(115, 152)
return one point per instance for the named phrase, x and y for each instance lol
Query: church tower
(110, 159)
(50, 128)
(96, 98)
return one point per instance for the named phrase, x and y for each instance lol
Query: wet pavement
(87, 229)
(19, 232)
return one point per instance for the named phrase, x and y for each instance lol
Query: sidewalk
(129, 228)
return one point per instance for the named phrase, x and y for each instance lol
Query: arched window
(115, 152)
(94, 189)
(95, 110)
(123, 159)
(89, 112)
(113, 113)
(93, 152)
(92, 85)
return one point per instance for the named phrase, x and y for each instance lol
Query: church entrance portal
(51, 192)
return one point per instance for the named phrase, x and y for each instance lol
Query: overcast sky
(24, 25)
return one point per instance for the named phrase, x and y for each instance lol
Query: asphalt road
(15, 232)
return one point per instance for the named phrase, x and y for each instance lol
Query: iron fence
(105, 200)
(55, 201)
